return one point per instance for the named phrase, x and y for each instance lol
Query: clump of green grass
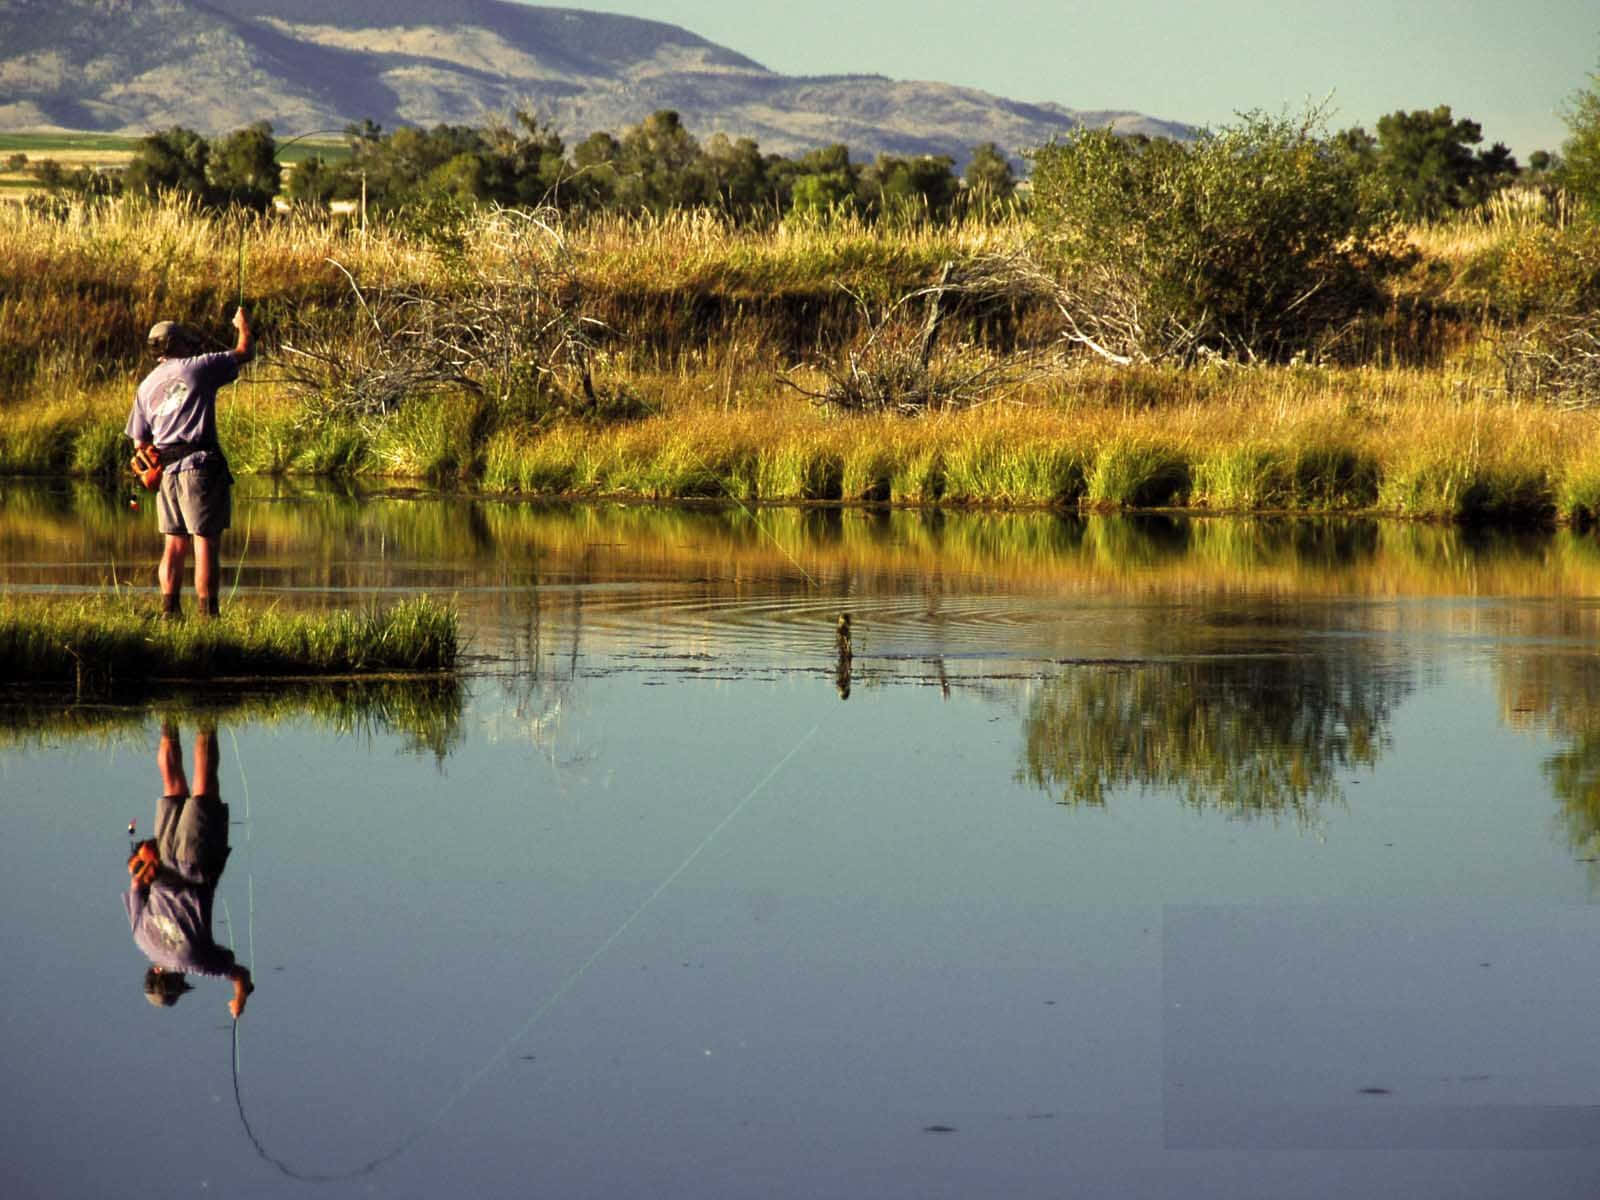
(1578, 497)
(101, 644)
(996, 469)
(1132, 472)
(1245, 478)
(100, 450)
(1258, 476)
(1505, 493)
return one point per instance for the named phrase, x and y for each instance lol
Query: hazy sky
(1507, 64)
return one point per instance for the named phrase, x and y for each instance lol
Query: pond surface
(1104, 858)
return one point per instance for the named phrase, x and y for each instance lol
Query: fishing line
(249, 833)
(538, 1014)
(255, 430)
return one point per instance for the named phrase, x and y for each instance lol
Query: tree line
(1423, 165)
(656, 166)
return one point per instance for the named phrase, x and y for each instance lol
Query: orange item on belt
(147, 466)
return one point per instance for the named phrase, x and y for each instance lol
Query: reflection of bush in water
(424, 713)
(1559, 691)
(1574, 775)
(1245, 736)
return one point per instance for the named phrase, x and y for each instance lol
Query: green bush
(1255, 241)
(1540, 272)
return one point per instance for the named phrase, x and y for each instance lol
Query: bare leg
(207, 567)
(206, 761)
(169, 758)
(174, 555)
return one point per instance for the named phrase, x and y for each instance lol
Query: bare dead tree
(1555, 360)
(510, 321)
(896, 365)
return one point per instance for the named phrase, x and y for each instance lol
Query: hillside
(130, 66)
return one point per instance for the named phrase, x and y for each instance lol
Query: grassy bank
(1430, 444)
(115, 644)
(689, 327)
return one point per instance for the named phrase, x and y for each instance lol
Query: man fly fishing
(174, 430)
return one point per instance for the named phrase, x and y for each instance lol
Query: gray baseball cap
(172, 340)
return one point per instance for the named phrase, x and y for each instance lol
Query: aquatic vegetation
(109, 643)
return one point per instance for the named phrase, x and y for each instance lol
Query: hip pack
(147, 460)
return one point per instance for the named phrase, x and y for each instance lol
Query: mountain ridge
(131, 66)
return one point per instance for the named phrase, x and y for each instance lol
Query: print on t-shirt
(172, 399)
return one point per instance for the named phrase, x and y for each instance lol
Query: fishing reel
(143, 858)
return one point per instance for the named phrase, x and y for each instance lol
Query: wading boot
(171, 610)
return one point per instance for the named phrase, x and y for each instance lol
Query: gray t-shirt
(177, 402)
(172, 924)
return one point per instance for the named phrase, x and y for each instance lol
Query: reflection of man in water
(174, 878)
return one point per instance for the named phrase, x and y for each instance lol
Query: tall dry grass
(697, 319)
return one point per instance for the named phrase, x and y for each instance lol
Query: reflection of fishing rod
(550, 1002)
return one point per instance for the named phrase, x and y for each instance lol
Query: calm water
(1114, 859)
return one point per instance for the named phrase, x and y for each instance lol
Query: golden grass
(704, 318)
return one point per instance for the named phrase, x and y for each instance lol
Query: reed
(116, 643)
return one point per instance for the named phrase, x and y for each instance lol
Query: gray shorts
(192, 836)
(197, 502)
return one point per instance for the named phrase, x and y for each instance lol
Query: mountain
(131, 66)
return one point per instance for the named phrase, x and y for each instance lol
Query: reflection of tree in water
(1559, 691)
(1245, 735)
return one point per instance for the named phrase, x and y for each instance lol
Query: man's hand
(242, 987)
(142, 863)
(245, 349)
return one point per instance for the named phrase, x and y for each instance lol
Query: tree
(1254, 241)
(594, 171)
(989, 177)
(314, 181)
(84, 183)
(901, 188)
(524, 162)
(660, 166)
(738, 175)
(1359, 146)
(1579, 171)
(822, 182)
(243, 169)
(170, 162)
(1427, 161)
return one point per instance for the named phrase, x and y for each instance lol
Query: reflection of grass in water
(102, 644)
(1244, 737)
(1170, 554)
(426, 713)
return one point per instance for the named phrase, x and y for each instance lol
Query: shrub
(1256, 241)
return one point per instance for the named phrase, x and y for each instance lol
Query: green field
(110, 147)
(42, 145)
